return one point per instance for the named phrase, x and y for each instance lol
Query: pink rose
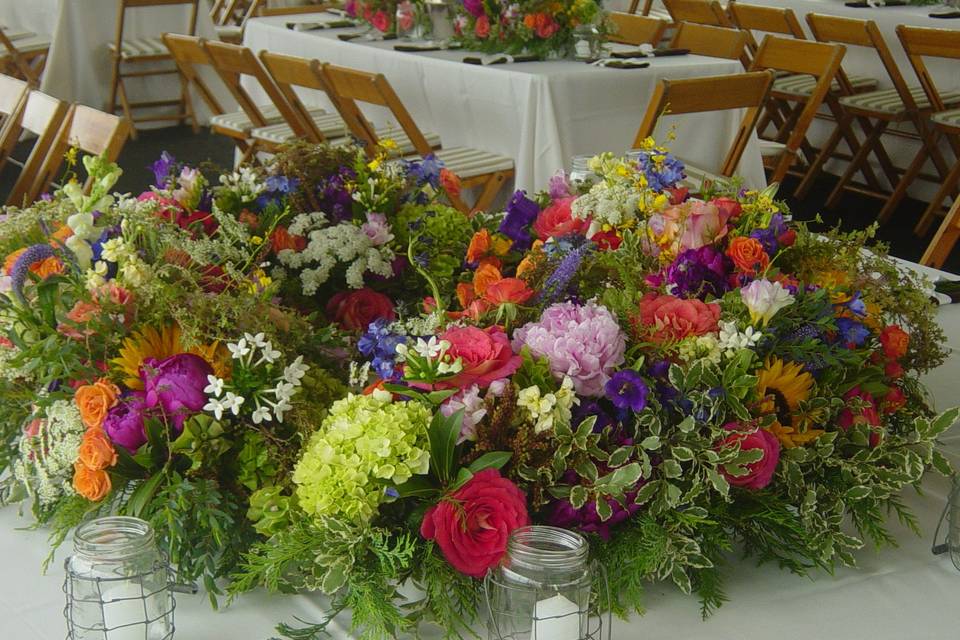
(482, 27)
(556, 220)
(472, 525)
(666, 318)
(697, 223)
(867, 416)
(485, 354)
(546, 28)
(759, 473)
(380, 21)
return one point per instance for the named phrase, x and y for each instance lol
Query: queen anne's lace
(45, 466)
(343, 243)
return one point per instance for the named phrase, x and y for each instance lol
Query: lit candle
(123, 605)
(556, 618)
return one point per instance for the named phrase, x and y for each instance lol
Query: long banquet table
(896, 594)
(540, 114)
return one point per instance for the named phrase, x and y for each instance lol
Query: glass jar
(118, 583)
(541, 590)
(580, 169)
(413, 21)
(587, 42)
(439, 13)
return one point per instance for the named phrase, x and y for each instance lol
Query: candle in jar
(556, 618)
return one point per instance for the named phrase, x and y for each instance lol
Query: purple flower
(588, 408)
(556, 284)
(521, 212)
(698, 273)
(563, 514)
(474, 7)
(21, 266)
(426, 171)
(777, 225)
(559, 187)
(163, 170)
(627, 390)
(176, 385)
(852, 332)
(767, 239)
(124, 422)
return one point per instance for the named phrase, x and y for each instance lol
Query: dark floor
(855, 211)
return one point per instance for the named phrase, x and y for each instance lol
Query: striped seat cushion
(468, 163)
(889, 101)
(238, 122)
(330, 125)
(770, 148)
(229, 31)
(802, 85)
(402, 140)
(32, 44)
(948, 118)
(140, 48)
(696, 177)
(14, 34)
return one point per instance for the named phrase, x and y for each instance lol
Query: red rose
(894, 399)
(482, 27)
(759, 473)
(729, 208)
(472, 526)
(283, 239)
(557, 221)
(485, 354)
(355, 310)
(787, 238)
(380, 21)
(894, 341)
(607, 240)
(893, 369)
(667, 317)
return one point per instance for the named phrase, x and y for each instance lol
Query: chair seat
(14, 35)
(330, 125)
(229, 32)
(950, 119)
(770, 148)
(402, 140)
(696, 177)
(889, 101)
(141, 48)
(31, 44)
(238, 122)
(802, 85)
(469, 163)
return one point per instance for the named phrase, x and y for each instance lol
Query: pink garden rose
(380, 21)
(485, 354)
(695, 223)
(557, 221)
(759, 473)
(666, 317)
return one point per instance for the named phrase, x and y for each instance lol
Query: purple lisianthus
(627, 390)
(521, 212)
(124, 422)
(426, 171)
(176, 385)
(334, 197)
(851, 332)
(767, 239)
(163, 170)
(474, 7)
(698, 273)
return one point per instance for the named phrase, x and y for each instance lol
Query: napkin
(863, 4)
(313, 26)
(499, 59)
(629, 63)
(637, 53)
(353, 36)
(946, 14)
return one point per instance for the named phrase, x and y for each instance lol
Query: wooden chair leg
(949, 187)
(786, 159)
(114, 86)
(858, 159)
(188, 110)
(905, 181)
(814, 171)
(490, 190)
(944, 240)
(125, 104)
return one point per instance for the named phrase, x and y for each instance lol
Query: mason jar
(953, 532)
(118, 583)
(580, 169)
(541, 590)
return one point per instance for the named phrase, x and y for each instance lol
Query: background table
(540, 114)
(79, 66)
(895, 594)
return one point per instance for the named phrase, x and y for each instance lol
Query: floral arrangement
(379, 14)
(533, 27)
(252, 364)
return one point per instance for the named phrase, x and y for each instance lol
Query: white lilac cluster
(265, 395)
(547, 410)
(731, 339)
(363, 249)
(245, 183)
(47, 452)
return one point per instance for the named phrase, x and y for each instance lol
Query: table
(540, 114)
(895, 594)
(79, 66)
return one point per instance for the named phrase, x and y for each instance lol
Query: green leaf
(578, 496)
(719, 482)
(857, 493)
(943, 422)
(941, 464)
(586, 469)
(444, 431)
(682, 454)
(687, 424)
(437, 397)
(621, 478)
(619, 456)
(651, 443)
(142, 496)
(646, 492)
(418, 487)
(490, 460)
(127, 466)
(334, 578)
(671, 468)
(463, 477)
(156, 437)
(604, 510)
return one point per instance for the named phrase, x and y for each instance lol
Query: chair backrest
(861, 33)
(292, 71)
(751, 17)
(234, 12)
(636, 30)
(351, 86)
(13, 93)
(8, 50)
(188, 54)
(89, 130)
(232, 62)
(41, 115)
(713, 93)
(920, 42)
(708, 12)
(647, 6)
(138, 4)
(715, 42)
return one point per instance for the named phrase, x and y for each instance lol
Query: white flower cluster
(424, 325)
(244, 182)
(432, 350)
(605, 203)
(359, 374)
(547, 410)
(732, 339)
(271, 399)
(342, 243)
(48, 451)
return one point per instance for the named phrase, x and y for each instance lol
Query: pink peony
(583, 342)
(759, 473)
(666, 317)
(485, 354)
(556, 220)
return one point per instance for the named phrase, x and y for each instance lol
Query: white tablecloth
(79, 66)
(540, 114)
(896, 594)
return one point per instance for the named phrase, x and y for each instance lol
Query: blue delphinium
(380, 345)
(662, 170)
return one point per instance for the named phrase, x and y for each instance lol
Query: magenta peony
(176, 385)
(124, 422)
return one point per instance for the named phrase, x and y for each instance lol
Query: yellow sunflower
(161, 343)
(782, 386)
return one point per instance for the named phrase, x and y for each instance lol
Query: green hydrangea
(365, 444)
(448, 232)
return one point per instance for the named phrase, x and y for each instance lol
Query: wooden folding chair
(945, 239)
(40, 115)
(708, 12)
(89, 130)
(476, 168)
(230, 17)
(747, 91)
(822, 61)
(921, 42)
(23, 55)
(142, 56)
(13, 93)
(714, 42)
(636, 30)
(634, 4)
(875, 111)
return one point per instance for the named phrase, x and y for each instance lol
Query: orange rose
(47, 267)
(894, 341)
(96, 451)
(748, 255)
(508, 290)
(530, 21)
(484, 276)
(450, 182)
(479, 245)
(283, 239)
(90, 483)
(465, 294)
(94, 400)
